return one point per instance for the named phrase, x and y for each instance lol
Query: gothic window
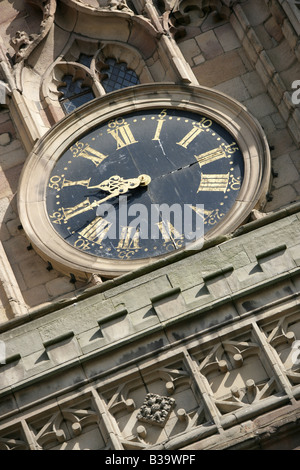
(74, 93)
(117, 75)
(89, 70)
(75, 90)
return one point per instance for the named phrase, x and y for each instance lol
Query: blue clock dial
(122, 189)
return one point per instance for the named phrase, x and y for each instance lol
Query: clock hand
(117, 182)
(84, 206)
(115, 185)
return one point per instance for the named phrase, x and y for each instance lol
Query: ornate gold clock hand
(116, 182)
(115, 185)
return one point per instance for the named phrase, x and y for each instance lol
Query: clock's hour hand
(114, 185)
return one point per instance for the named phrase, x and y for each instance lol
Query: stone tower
(102, 347)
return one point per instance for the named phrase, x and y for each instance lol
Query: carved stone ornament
(204, 6)
(156, 409)
(24, 43)
(178, 13)
(118, 5)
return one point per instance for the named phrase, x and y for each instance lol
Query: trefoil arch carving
(85, 64)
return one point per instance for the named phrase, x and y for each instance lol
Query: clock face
(122, 190)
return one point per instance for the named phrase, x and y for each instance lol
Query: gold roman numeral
(210, 217)
(214, 182)
(185, 142)
(223, 151)
(130, 239)
(86, 151)
(70, 212)
(198, 127)
(121, 132)
(160, 123)
(169, 233)
(96, 230)
(66, 183)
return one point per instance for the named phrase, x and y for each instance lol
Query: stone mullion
(180, 65)
(151, 13)
(273, 360)
(109, 426)
(204, 389)
(32, 444)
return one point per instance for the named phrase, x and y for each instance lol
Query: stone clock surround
(151, 331)
(227, 112)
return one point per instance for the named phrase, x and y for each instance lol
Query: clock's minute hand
(114, 185)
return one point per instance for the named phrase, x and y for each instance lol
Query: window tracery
(117, 75)
(74, 93)
(89, 70)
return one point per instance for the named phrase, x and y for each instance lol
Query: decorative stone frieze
(102, 5)
(118, 5)
(283, 336)
(13, 439)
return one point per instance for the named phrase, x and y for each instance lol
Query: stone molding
(14, 298)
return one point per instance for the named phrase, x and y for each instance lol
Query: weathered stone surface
(213, 335)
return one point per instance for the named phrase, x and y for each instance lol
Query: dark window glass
(118, 76)
(74, 94)
(85, 60)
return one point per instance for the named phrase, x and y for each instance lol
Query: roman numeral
(198, 127)
(203, 213)
(70, 212)
(209, 217)
(86, 151)
(169, 233)
(66, 183)
(130, 238)
(214, 182)
(121, 132)
(210, 156)
(185, 142)
(160, 123)
(96, 230)
(223, 151)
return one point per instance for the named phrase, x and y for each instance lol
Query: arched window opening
(116, 75)
(74, 93)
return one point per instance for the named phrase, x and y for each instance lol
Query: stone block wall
(197, 351)
(254, 57)
(197, 354)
